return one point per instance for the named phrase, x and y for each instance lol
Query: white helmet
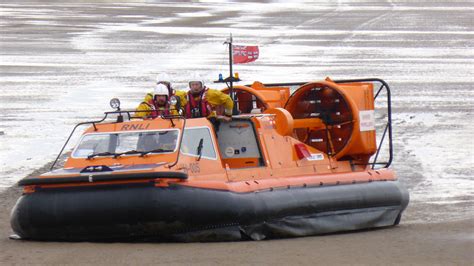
(161, 89)
(196, 78)
(162, 77)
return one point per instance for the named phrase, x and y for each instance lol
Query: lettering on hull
(135, 126)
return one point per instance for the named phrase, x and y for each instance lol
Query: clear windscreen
(126, 143)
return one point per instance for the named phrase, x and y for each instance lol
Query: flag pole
(231, 76)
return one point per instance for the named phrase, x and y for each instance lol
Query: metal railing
(119, 120)
(387, 129)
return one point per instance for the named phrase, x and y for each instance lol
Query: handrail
(106, 114)
(388, 127)
(70, 135)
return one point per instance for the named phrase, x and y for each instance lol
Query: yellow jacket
(214, 97)
(146, 105)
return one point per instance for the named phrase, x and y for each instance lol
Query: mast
(231, 76)
(229, 81)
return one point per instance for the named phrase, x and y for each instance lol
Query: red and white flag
(244, 54)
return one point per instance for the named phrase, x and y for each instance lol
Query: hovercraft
(286, 166)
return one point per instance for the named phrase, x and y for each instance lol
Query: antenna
(231, 92)
(231, 75)
(229, 81)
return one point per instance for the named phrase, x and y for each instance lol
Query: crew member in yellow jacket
(156, 104)
(201, 101)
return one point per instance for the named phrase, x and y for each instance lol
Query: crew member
(156, 104)
(201, 101)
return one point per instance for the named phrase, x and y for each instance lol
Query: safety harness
(158, 110)
(161, 110)
(200, 108)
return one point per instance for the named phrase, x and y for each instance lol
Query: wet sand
(76, 56)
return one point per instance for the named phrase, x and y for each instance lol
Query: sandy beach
(443, 243)
(61, 62)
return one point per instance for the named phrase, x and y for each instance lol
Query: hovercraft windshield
(126, 143)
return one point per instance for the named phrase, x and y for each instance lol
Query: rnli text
(135, 127)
